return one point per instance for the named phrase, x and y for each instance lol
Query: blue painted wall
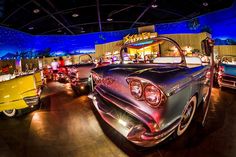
(25, 45)
(221, 24)
(12, 41)
(77, 44)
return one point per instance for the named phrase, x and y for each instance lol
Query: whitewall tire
(9, 113)
(187, 116)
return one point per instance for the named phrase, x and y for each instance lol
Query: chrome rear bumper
(130, 127)
(227, 81)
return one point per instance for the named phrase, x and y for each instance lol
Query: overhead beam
(71, 9)
(15, 11)
(99, 16)
(52, 16)
(55, 13)
(118, 11)
(140, 16)
(53, 6)
(93, 23)
(127, 6)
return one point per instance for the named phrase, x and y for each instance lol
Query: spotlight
(31, 28)
(75, 15)
(36, 11)
(205, 4)
(109, 19)
(154, 5)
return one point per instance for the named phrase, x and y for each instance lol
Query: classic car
(147, 103)
(19, 92)
(227, 72)
(79, 74)
(62, 75)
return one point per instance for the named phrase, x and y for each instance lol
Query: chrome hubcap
(187, 115)
(9, 111)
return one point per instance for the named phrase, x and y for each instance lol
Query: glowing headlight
(122, 122)
(136, 88)
(82, 87)
(152, 95)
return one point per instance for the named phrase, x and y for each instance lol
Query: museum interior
(117, 78)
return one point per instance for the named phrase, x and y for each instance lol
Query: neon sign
(137, 37)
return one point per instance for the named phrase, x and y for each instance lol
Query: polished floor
(67, 126)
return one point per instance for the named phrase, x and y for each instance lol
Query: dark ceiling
(85, 16)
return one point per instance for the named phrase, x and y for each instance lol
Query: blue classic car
(149, 101)
(227, 72)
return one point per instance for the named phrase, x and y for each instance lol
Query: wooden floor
(68, 126)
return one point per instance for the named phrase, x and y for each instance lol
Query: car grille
(112, 109)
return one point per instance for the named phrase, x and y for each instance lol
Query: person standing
(61, 62)
(54, 66)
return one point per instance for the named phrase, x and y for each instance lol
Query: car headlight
(136, 88)
(152, 95)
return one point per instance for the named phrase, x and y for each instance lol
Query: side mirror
(207, 46)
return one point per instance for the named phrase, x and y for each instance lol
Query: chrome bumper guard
(127, 125)
(227, 83)
(31, 101)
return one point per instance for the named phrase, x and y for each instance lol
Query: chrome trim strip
(29, 91)
(11, 101)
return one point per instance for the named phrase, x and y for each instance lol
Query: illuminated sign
(137, 37)
(143, 43)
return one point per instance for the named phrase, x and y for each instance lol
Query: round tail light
(152, 95)
(136, 88)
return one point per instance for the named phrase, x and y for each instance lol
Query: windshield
(229, 60)
(85, 59)
(158, 50)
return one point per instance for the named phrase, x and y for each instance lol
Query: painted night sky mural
(18, 44)
(12, 41)
(220, 24)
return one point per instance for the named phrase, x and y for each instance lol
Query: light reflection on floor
(65, 125)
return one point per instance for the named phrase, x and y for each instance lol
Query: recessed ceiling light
(36, 11)
(109, 19)
(31, 28)
(154, 5)
(59, 31)
(205, 4)
(75, 15)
